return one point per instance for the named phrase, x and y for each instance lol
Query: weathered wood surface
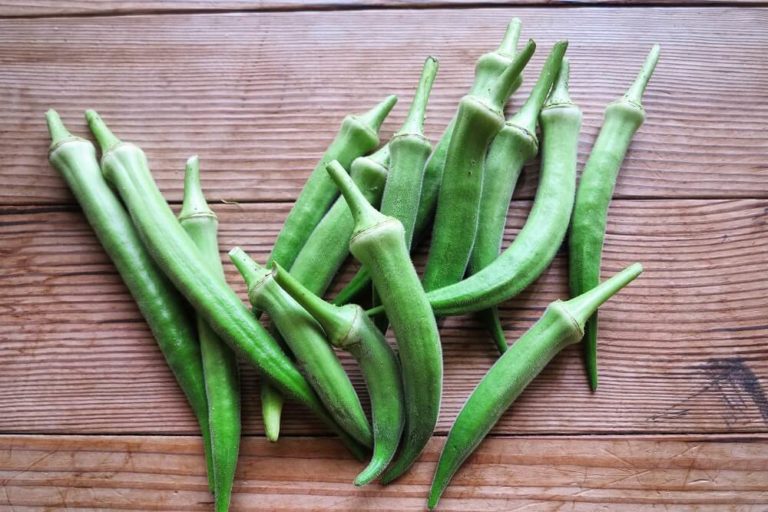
(617, 474)
(19, 8)
(682, 349)
(260, 95)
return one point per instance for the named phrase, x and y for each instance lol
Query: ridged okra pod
(477, 123)
(222, 383)
(561, 325)
(160, 304)
(350, 329)
(328, 246)
(598, 179)
(307, 341)
(537, 243)
(358, 135)
(513, 147)
(487, 69)
(378, 242)
(125, 166)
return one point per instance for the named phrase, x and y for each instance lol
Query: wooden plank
(21, 8)
(697, 473)
(682, 349)
(260, 95)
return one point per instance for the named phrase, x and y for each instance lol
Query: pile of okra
(376, 200)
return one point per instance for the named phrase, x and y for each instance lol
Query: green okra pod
(378, 242)
(328, 246)
(561, 325)
(125, 166)
(513, 147)
(308, 343)
(349, 328)
(537, 243)
(598, 179)
(222, 384)
(478, 121)
(357, 136)
(160, 304)
(487, 69)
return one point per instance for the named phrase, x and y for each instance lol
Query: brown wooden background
(90, 417)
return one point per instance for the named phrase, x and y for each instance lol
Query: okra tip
(636, 90)
(508, 45)
(56, 127)
(503, 84)
(559, 94)
(104, 136)
(194, 202)
(414, 122)
(585, 305)
(363, 213)
(376, 116)
(529, 112)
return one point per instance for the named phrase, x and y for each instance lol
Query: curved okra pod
(561, 325)
(378, 242)
(477, 123)
(222, 385)
(125, 166)
(328, 246)
(598, 179)
(308, 343)
(348, 328)
(537, 243)
(160, 304)
(357, 136)
(515, 145)
(488, 68)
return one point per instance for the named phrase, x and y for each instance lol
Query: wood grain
(682, 349)
(699, 473)
(260, 95)
(20, 8)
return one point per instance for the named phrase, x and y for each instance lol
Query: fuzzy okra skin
(124, 165)
(487, 69)
(537, 243)
(477, 123)
(598, 179)
(561, 325)
(513, 147)
(357, 136)
(222, 383)
(160, 304)
(378, 242)
(308, 343)
(348, 328)
(410, 150)
(328, 246)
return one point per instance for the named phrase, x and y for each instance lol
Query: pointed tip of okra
(414, 122)
(56, 128)
(584, 306)
(528, 114)
(194, 202)
(508, 46)
(363, 213)
(559, 94)
(502, 85)
(104, 136)
(251, 271)
(376, 116)
(636, 90)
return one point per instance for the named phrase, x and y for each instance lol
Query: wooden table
(89, 414)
